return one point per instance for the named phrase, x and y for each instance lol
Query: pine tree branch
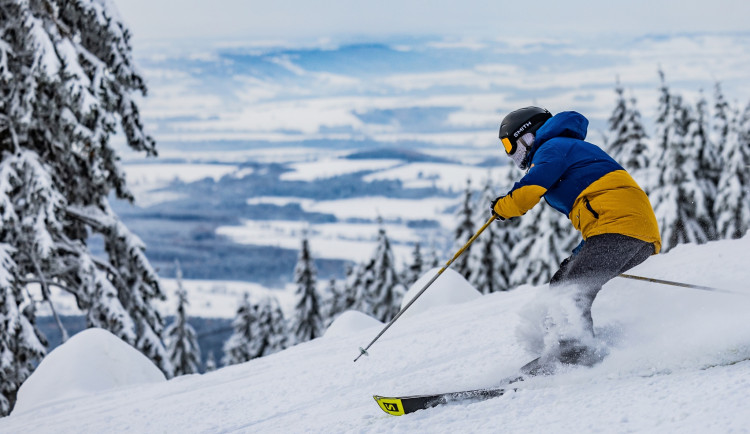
(110, 269)
(46, 296)
(78, 215)
(4, 119)
(99, 226)
(50, 283)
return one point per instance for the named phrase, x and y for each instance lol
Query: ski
(398, 406)
(401, 405)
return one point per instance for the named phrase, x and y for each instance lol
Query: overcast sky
(296, 19)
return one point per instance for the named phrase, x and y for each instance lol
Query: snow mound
(351, 322)
(93, 360)
(450, 288)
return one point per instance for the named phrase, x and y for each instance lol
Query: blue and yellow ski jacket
(581, 181)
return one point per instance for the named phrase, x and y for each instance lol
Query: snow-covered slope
(678, 362)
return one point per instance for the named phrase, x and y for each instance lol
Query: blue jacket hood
(564, 124)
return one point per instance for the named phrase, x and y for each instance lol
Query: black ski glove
(492, 208)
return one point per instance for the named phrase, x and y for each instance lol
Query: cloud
(291, 19)
(429, 92)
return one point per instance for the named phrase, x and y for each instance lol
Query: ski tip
(392, 406)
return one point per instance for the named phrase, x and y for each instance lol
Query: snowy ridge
(678, 362)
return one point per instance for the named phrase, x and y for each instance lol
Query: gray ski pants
(601, 258)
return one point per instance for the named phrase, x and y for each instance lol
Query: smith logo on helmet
(521, 130)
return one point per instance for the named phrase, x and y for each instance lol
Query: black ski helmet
(519, 122)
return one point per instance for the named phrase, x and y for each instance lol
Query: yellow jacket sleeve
(520, 200)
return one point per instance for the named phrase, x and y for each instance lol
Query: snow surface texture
(91, 362)
(678, 362)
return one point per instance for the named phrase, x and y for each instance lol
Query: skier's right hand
(492, 208)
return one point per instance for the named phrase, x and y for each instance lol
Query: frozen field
(208, 298)
(343, 239)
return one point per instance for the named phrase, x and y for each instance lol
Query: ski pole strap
(668, 282)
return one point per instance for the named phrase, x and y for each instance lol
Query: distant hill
(499, 161)
(397, 154)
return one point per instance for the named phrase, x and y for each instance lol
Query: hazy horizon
(152, 20)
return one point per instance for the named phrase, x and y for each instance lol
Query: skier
(601, 200)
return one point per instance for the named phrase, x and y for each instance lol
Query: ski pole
(684, 285)
(363, 351)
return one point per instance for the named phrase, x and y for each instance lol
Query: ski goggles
(510, 147)
(521, 151)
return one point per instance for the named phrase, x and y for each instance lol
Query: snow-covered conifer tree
(627, 143)
(464, 231)
(384, 290)
(664, 127)
(487, 254)
(679, 201)
(307, 323)
(183, 349)
(331, 301)
(270, 329)
(237, 347)
(721, 119)
(413, 271)
(708, 162)
(66, 85)
(346, 298)
(337, 298)
(508, 233)
(20, 341)
(732, 205)
(636, 148)
(356, 287)
(616, 122)
(374, 286)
